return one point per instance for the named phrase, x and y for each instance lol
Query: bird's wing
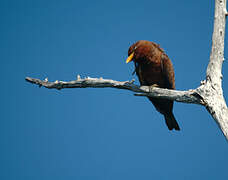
(138, 70)
(168, 71)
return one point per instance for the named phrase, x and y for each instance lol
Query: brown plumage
(154, 68)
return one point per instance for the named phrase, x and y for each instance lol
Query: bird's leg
(152, 86)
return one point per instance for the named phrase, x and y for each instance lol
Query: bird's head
(139, 50)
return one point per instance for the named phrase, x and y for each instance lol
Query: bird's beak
(130, 58)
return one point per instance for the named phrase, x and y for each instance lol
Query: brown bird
(154, 68)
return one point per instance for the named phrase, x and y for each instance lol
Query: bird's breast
(150, 73)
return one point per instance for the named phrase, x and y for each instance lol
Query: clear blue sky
(103, 134)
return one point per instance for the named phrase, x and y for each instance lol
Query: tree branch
(180, 96)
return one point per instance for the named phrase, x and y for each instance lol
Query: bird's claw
(132, 81)
(152, 86)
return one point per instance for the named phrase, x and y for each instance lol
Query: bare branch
(214, 67)
(180, 96)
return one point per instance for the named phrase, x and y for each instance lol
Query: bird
(154, 68)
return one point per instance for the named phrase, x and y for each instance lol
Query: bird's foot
(153, 86)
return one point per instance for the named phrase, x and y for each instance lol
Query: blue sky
(103, 134)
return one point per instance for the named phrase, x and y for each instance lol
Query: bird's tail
(171, 122)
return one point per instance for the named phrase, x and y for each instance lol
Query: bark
(208, 94)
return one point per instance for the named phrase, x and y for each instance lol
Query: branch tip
(78, 77)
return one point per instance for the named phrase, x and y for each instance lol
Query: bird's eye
(135, 47)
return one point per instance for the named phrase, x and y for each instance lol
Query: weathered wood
(211, 91)
(180, 96)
